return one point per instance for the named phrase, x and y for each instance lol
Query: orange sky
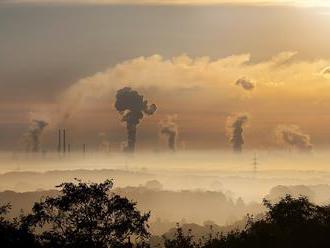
(71, 59)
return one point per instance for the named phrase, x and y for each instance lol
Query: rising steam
(132, 106)
(235, 126)
(170, 129)
(292, 136)
(33, 135)
(246, 84)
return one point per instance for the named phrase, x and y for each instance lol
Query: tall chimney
(64, 141)
(59, 141)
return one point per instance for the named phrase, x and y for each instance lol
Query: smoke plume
(235, 126)
(246, 84)
(292, 136)
(34, 134)
(132, 106)
(170, 129)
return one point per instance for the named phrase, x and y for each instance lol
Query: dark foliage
(82, 215)
(89, 215)
(12, 234)
(181, 240)
(290, 223)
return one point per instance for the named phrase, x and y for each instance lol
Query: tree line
(89, 215)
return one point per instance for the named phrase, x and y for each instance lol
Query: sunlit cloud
(279, 75)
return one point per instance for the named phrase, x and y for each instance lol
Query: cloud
(283, 58)
(297, 79)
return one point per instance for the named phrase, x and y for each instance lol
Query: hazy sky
(309, 3)
(56, 58)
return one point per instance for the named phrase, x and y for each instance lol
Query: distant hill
(319, 194)
(165, 206)
(22, 181)
(23, 201)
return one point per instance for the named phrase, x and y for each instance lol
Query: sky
(305, 3)
(69, 59)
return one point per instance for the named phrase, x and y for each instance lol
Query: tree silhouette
(87, 215)
(290, 223)
(180, 240)
(12, 234)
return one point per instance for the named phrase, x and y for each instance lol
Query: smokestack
(84, 148)
(131, 105)
(235, 131)
(69, 148)
(170, 129)
(59, 141)
(64, 141)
